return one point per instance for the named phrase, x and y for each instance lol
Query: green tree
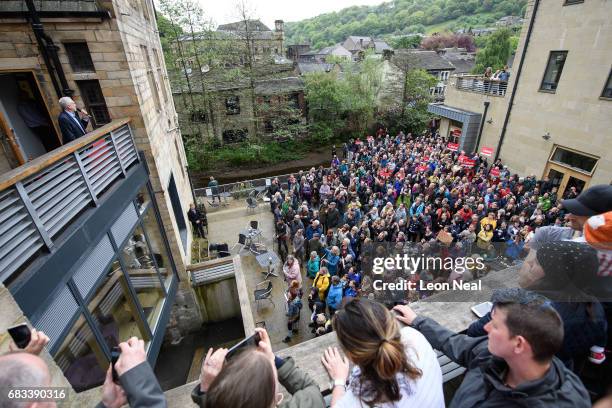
(408, 41)
(411, 114)
(496, 52)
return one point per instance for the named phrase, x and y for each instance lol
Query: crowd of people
(409, 192)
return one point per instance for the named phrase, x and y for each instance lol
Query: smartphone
(21, 335)
(115, 353)
(251, 341)
(482, 309)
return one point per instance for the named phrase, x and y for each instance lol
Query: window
(152, 85)
(140, 264)
(79, 57)
(235, 135)
(552, 75)
(94, 101)
(177, 209)
(570, 2)
(158, 246)
(232, 105)
(607, 91)
(573, 159)
(199, 116)
(160, 75)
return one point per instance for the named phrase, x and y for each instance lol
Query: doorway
(564, 178)
(26, 127)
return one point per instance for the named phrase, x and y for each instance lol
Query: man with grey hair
(72, 121)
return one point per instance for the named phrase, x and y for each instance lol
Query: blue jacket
(70, 130)
(332, 262)
(334, 296)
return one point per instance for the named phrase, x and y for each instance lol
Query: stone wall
(117, 48)
(12, 315)
(575, 115)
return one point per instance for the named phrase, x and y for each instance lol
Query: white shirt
(424, 392)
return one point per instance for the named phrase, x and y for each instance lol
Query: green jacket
(304, 390)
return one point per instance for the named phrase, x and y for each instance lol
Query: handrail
(481, 84)
(42, 198)
(26, 170)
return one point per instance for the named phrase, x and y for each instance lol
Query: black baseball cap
(593, 201)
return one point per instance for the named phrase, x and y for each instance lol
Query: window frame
(232, 110)
(567, 166)
(93, 106)
(607, 86)
(74, 61)
(548, 62)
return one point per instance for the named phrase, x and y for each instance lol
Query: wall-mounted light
(546, 136)
(490, 121)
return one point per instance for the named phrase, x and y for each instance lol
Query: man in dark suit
(72, 122)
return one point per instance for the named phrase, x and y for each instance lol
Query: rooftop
(428, 60)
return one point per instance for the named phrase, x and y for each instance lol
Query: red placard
(453, 146)
(456, 132)
(422, 168)
(494, 172)
(426, 158)
(461, 158)
(469, 163)
(486, 151)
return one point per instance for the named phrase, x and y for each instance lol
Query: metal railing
(240, 189)
(41, 198)
(482, 85)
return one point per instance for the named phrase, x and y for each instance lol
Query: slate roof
(380, 46)
(428, 60)
(309, 67)
(254, 25)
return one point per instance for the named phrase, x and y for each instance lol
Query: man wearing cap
(593, 201)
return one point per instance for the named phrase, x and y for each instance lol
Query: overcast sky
(224, 11)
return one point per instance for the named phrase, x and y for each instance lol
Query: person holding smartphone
(231, 383)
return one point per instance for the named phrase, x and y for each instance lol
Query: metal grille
(125, 146)
(57, 316)
(212, 274)
(19, 238)
(101, 164)
(94, 266)
(58, 194)
(124, 224)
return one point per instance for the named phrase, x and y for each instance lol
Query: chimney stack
(279, 25)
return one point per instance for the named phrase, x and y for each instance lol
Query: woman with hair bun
(393, 367)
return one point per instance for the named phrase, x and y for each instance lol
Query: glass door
(564, 179)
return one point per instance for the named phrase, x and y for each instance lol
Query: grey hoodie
(483, 385)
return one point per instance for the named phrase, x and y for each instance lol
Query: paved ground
(224, 225)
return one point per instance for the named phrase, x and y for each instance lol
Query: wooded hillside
(399, 17)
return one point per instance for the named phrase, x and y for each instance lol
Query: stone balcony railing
(43, 197)
(481, 85)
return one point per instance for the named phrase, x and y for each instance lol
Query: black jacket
(70, 130)
(483, 385)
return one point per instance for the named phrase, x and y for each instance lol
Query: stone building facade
(110, 54)
(555, 122)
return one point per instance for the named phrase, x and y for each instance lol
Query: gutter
(518, 76)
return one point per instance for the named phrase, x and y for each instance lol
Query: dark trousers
(199, 228)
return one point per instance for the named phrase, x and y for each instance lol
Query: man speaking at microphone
(73, 122)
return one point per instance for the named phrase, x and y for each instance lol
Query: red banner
(453, 146)
(494, 172)
(486, 151)
(461, 158)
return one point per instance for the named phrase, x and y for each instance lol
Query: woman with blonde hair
(393, 367)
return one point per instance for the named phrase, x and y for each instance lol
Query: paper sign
(494, 172)
(422, 168)
(208, 192)
(486, 151)
(453, 146)
(268, 182)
